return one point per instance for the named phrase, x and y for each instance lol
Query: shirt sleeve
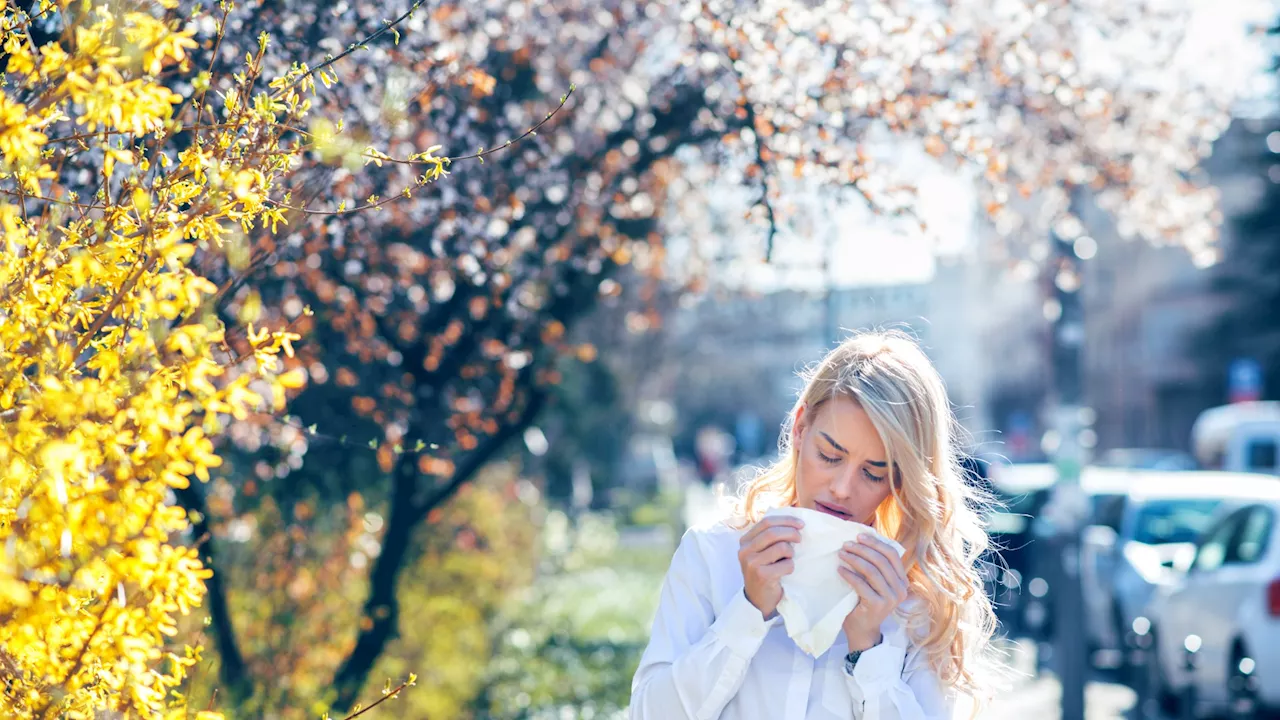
(698, 654)
(891, 683)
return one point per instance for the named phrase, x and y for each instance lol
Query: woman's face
(842, 468)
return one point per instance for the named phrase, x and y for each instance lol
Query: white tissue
(815, 598)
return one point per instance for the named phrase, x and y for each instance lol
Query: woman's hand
(876, 573)
(765, 553)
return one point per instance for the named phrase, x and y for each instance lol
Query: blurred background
(524, 387)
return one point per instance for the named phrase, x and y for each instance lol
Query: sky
(867, 249)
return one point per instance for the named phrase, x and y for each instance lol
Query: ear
(798, 425)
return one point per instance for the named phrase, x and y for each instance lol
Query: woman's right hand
(765, 553)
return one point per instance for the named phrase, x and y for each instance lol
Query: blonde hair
(932, 511)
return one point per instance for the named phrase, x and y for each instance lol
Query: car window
(1213, 549)
(1161, 521)
(1261, 454)
(1108, 510)
(1251, 542)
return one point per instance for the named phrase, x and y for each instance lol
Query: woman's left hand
(876, 573)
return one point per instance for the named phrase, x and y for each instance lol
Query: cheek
(875, 493)
(880, 491)
(811, 475)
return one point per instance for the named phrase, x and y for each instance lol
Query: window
(1173, 521)
(1213, 550)
(1254, 536)
(1261, 455)
(1108, 510)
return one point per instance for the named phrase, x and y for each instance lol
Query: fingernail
(848, 546)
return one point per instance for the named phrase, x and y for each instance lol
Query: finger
(869, 601)
(772, 554)
(772, 522)
(889, 553)
(767, 523)
(773, 535)
(897, 580)
(866, 593)
(870, 572)
(779, 569)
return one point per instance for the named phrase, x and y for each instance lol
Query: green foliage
(571, 642)
(663, 509)
(296, 610)
(507, 611)
(479, 551)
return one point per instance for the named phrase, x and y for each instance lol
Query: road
(1038, 697)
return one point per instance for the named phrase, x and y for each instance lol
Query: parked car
(1241, 437)
(1214, 632)
(1027, 605)
(1138, 539)
(1020, 491)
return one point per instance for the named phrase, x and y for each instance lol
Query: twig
(479, 155)
(380, 700)
(213, 60)
(101, 320)
(387, 27)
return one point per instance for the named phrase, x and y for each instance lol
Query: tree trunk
(232, 669)
(378, 621)
(381, 611)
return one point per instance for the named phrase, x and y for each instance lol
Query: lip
(831, 510)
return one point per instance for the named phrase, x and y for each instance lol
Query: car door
(1182, 613)
(1220, 611)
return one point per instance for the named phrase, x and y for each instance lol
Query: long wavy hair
(932, 511)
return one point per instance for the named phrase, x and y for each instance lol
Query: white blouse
(712, 655)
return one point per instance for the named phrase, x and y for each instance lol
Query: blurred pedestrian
(870, 440)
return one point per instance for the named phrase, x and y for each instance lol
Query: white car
(1215, 630)
(1136, 539)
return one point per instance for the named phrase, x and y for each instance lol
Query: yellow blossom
(112, 372)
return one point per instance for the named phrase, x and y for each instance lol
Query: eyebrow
(838, 446)
(834, 444)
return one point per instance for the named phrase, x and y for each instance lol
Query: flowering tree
(120, 179)
(441, 319)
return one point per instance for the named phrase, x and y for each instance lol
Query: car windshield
(1173, 521)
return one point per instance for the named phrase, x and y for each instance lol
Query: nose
(842, 486)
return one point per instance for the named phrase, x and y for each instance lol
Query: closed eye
(827, 458)
(872, 476)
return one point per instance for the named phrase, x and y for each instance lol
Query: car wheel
(1242, 686)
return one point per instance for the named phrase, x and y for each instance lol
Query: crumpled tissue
(815, 598)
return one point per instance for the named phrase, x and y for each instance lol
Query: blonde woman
(871, 440)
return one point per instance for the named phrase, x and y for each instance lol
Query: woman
(871, 440)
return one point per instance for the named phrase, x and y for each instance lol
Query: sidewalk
(1039, 697)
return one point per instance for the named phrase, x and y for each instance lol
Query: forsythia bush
(115, 369)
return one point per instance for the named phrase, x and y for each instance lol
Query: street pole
(1068, 418)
